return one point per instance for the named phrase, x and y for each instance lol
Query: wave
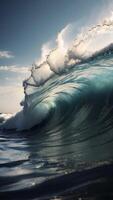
(64, 147)
(69, 81)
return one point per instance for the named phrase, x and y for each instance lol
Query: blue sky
(25, 25)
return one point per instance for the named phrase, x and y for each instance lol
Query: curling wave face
(61, 95)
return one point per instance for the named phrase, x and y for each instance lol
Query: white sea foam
(71, 52)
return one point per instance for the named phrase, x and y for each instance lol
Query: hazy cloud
(15, 68)
(6, 54)
(11, 94)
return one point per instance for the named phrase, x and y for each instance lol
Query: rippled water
(45, 164)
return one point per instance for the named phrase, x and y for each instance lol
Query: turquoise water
(69, 153)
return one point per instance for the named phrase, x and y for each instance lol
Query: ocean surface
(60, 146)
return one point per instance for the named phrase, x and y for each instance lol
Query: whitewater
(60, 143)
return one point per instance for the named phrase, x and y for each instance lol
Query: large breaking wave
(70, 80)
(69, 107)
